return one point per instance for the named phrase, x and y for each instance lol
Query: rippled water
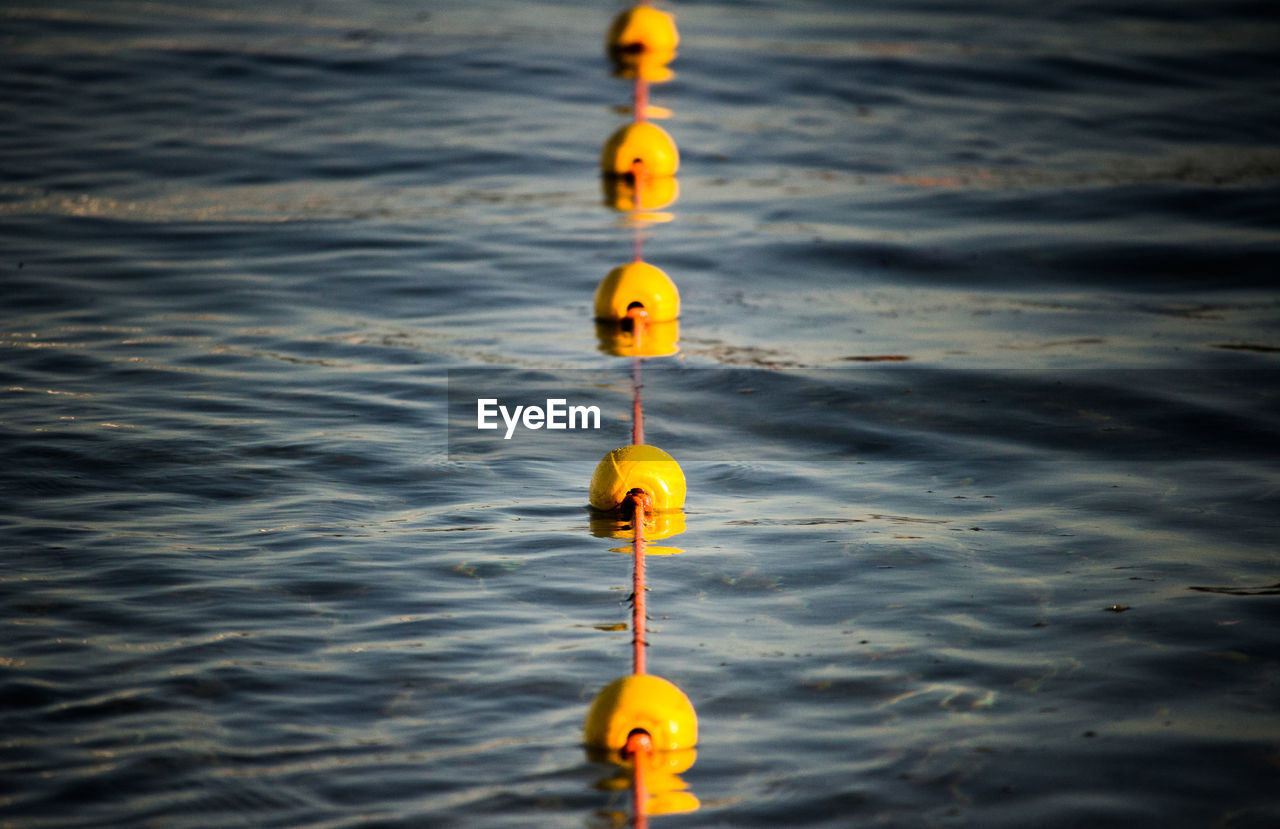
(1023, 573)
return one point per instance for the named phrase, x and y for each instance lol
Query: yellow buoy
(646, 143)
(641, 702)
(642, 30)
(637, 283)
(637, 466)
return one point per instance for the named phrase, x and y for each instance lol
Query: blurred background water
(1024, 572)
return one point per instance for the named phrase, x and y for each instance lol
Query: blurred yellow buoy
(642, 30)
(637, 467)
(641, 702)
(643, 143)
(637, 283)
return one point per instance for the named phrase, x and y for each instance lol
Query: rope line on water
(639, 742)
(640, 100)
(639, 319)
(639, 503)
(638, 747)
(637, 189)
(641, 719)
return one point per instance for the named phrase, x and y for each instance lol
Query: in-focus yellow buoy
(642, 30)
(637, 466)
(646, 143)
(641, 702)
(637, 283)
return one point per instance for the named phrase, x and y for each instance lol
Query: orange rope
(639, 743)
(638, 176)
(640, 99)
(639, 104)
(638, 631)
(637, 412)
(638, 747)
(639, 320)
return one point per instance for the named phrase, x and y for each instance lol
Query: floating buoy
(642, 31)
(641, 702)
(637, 467)
(648, 144)
(637, 283)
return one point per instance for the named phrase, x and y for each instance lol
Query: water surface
(1025, 572)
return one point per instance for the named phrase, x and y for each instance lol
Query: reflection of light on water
(660, 339)
(622, 194)
(650, 551)
(954, 697)
(657, 526)
(638, 218)
(667, 791)
(1032, 684)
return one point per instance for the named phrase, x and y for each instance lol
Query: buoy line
(641, 722)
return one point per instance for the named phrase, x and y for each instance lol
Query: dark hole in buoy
(630, 48)
(634, 736)
(630, 176)
(629, 322)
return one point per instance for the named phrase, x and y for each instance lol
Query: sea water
(975, 394)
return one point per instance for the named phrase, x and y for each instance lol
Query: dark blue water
(976, 396)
